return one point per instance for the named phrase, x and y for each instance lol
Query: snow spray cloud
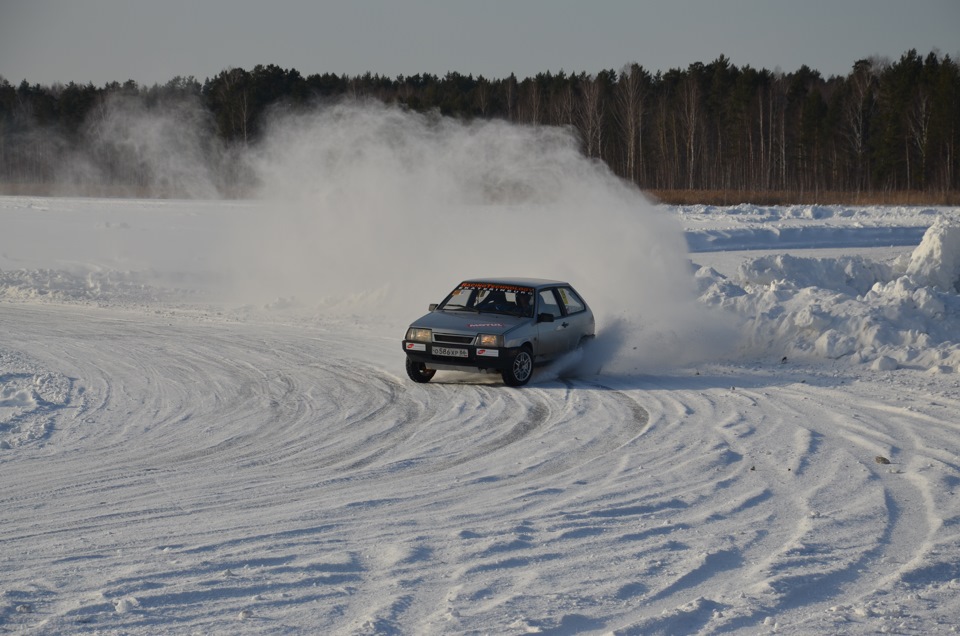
(169, 149)
(172, 146)
(370, 208)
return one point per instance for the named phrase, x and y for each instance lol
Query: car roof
(518, 282)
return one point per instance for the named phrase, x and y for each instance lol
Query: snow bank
(899, 314)
(744, 227)
(847, 275)
(62, 286)
(801, 215)
(936, 263)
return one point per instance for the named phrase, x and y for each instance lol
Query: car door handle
(564, 324)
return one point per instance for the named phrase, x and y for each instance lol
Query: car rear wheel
(520, 369)
(419, 372)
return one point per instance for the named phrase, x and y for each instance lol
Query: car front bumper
(470, 357)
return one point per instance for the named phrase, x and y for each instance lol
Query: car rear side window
(571, 302)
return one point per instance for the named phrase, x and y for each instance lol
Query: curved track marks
(188, 442)
(191, 471)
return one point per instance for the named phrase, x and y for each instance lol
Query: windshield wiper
(460, 308)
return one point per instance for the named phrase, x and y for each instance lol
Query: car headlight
(416, 334)
(489, 340)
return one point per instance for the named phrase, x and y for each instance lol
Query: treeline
(885, 127)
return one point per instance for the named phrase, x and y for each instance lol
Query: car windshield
(491, 298)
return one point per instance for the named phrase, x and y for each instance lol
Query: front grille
(448, 338)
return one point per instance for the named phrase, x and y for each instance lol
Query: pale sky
(152, 41)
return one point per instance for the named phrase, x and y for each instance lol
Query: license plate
(449, 352)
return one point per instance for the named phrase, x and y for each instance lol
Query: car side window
(571, 302)
(548, 303)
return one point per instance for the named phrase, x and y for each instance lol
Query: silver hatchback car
(502, 325)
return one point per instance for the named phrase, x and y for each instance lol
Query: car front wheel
(418, 371)
(520, 369)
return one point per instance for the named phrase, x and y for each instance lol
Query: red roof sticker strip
(496, 286)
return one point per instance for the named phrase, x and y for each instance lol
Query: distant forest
(884, 128)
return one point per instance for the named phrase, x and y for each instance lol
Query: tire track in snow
(852, 520)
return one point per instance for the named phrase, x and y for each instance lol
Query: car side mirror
(432, 307)
(545, 317)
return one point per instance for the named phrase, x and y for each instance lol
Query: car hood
(464, 322)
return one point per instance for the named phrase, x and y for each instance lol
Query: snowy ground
(176, 461)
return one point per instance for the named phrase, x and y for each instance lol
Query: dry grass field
(669, 197)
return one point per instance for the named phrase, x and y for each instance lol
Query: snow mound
(852, 275)
(904, 314)
(936, 262)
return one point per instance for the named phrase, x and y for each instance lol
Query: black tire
(520, 369)
(418, 371)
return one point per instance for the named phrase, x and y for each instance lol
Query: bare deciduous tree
(918, 124)
(689, 119)
(590, 111)
(631, 93)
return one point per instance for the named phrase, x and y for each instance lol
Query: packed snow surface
(205, 425)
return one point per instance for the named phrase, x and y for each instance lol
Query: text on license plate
(450, 352)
